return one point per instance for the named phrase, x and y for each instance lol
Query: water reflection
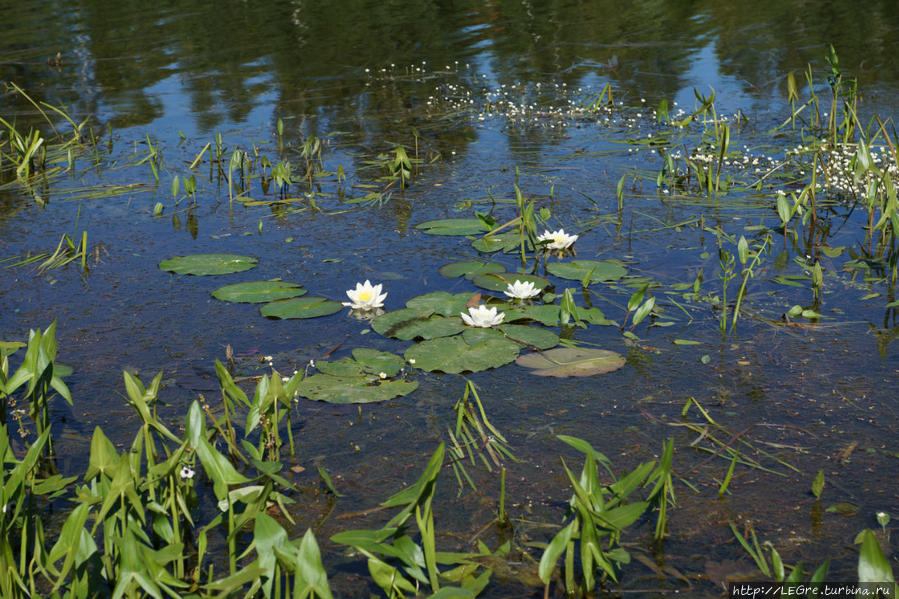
(208, 66)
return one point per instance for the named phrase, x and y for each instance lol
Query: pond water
(486, 95)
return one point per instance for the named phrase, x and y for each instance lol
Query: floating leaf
(410, 323)
(472, 351)
(300, 307)
(353, 389)
(453, 226)
(208, 264)
(469, 268)
(501, 241)
(572, 361)
(375, 361)
(364, 378)
(686, 342)
(546, 314)
(441, 302)
(500, 281)
(531, 336)
(255, 292)
(598, 270)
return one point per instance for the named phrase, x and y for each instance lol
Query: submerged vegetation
(200, 504)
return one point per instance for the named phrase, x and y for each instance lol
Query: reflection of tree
(307, 56)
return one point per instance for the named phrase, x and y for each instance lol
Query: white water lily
(557, 240)
(482, 316)
(365, 297)
(521, 290)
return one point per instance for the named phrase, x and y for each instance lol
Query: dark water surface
(485, 88)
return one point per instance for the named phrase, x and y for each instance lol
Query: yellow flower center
(364, 296)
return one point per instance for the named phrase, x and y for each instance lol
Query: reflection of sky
(703, 73)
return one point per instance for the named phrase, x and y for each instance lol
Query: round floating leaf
(353, 389)
(572, 361)
(599, 270)
(300, 307)
(409, 323)
(453, 226)
(544, 314)
(376, 362)
(347, 367)
(469, 268)
(473, 351)
(501, 241)
(208, 264)
(441, 302)
(532, 336)
(256, 292)
(500, 281)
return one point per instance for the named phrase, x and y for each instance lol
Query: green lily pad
(530, 336)
(572, 361)
(453, 226)
(506, 242)
(353, 389)
(547, 314)
(375, 361)
(364, 362)
(469, 268)
(599, 270)
(472, 351)
(500, 281)
(411, 323)
(441, 302)
(300, 307)
(208, 264)
(255, 292)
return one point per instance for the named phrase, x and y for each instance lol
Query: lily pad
(411, 323)
(353, 389)
(208, 264)
(572, 361)
(472, 351)
(453, 226)
(500, 281)
(531, 336)
(501, 241)
(255, 292)
(469, 268)
(544, 314)
(599, 270)
(300, 307)
(441, 302)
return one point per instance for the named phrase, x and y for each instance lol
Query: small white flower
(521, 291)
(412, 360)
(268, 359)
(557, 240)
(284, 379)
(187, 472)
(383, 375)
(482, 316)
(365, 297)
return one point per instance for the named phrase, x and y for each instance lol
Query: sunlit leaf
(208, 264)
(598, 270)
(353, 389)
(473, 351)
(412, 323)
(258, 291)
(453, 226)
(502, 241)
(300, 307)
(572, 361)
